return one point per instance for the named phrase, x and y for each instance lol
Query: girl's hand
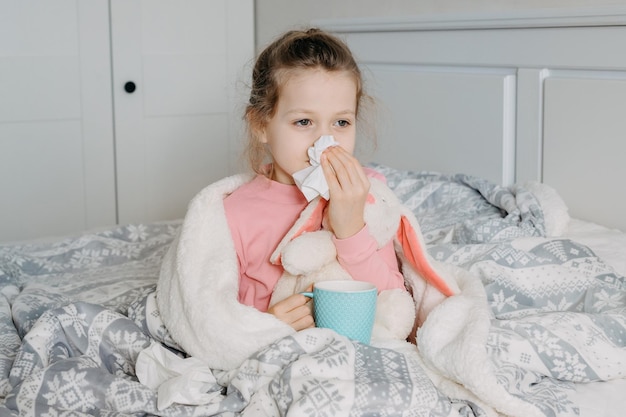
(348, 187)
(294, 310)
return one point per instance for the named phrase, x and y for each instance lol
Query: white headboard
(510, 97)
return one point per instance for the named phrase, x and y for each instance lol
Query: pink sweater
(261, 212)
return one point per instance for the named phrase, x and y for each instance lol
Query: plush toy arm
(309, 253)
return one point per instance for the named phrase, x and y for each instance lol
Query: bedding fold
(535, 313)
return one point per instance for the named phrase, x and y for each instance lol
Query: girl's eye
(342, 123)
(303, 122)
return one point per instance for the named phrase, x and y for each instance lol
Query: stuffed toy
(309, 256)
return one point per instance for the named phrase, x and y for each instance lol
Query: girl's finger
(286, 306)
(329, 173)
(347, 168)
(304, 323)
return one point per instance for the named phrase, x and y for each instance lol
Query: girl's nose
(315, 138)
(320, 134)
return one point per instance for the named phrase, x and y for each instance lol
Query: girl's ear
(256, 126)
(261, 135)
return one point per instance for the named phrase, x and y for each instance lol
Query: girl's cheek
(346, 142)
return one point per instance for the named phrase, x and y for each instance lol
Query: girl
(304, 85)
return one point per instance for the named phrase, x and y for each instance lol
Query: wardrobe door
(56, 138)
(178, 72)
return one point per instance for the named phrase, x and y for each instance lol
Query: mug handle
(307, 294)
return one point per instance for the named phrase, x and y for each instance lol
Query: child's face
(312, 103)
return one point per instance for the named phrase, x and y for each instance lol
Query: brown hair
(295, 50)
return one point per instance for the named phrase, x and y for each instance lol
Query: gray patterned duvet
(538, 315)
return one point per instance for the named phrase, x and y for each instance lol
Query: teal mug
(347, 307)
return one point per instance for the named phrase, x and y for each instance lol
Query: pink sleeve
(359, 256)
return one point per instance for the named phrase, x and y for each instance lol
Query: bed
(539, 328)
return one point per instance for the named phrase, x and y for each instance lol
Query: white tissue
(311, 180)
(184, 381)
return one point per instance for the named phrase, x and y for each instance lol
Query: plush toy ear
(309, 221)
(415, 253)
(313, 221)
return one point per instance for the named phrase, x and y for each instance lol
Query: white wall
(275, 16)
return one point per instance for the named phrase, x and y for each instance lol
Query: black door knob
(130, 87)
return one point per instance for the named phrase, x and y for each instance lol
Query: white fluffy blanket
(198, 286)
(198, 283)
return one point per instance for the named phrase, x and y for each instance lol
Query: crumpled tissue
(311, 180)
(179, 380)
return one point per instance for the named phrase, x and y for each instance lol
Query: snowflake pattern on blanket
(547, 314)
(78, 360)
(558, 313)
(70, 346)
